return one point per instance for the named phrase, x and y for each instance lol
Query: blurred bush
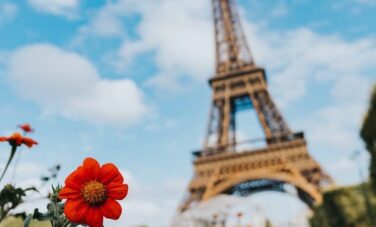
(368, 134)
(11, 221)
(346, 206)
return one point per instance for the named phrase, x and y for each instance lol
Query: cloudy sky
(124, 81)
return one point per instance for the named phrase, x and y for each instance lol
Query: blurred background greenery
(18, 222)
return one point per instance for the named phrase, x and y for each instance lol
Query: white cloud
(156, 205)
(7, 11)
(148, 204)
(66, 83)
(336, 126)
(66, 8)
(296, 57)
(178, 32)
(352, 168)
(104, 24)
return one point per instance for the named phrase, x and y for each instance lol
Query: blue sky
(124, 81)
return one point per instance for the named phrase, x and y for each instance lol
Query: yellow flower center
(94, 193)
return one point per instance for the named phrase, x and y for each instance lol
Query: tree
(344, 206)
(368, 134)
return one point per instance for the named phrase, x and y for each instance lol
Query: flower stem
(12, 152)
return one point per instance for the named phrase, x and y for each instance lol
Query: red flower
(17, 140)
(91, 192)
(26, 128)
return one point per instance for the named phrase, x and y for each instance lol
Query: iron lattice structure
(223, 166)
(232, 51)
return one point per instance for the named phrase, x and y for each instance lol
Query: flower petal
(2, 139)
(75, 180)
(28, 142)
(110, 173)
(69, 193)
(26, 128)
(76, 210)
(91, 169)
(94, 217)
(111, 209)
(117, 191)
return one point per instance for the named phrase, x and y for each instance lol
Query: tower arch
(246, 184)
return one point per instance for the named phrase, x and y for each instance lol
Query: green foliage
(10, 198)
(54, 214)
(347, 206)
(368, 134)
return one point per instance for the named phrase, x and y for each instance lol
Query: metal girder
(232, 51)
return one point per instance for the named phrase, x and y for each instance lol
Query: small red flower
(26, 128)
(17, 139)
(91, 192)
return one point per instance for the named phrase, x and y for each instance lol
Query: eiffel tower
(223, 166)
